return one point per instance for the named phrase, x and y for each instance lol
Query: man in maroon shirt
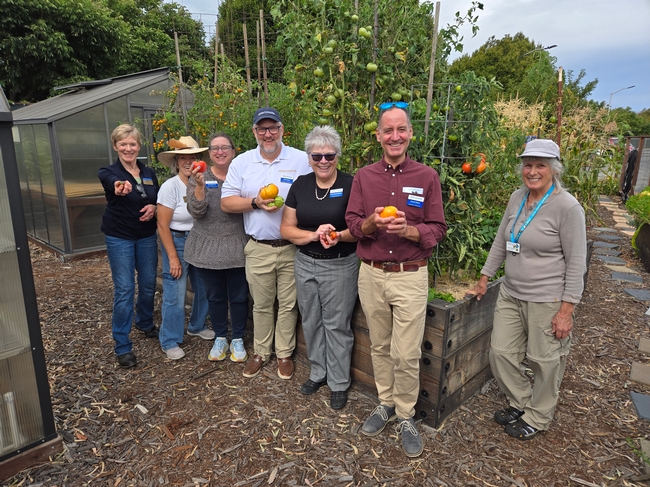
(393, 278)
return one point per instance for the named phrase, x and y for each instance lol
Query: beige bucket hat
(184, 145)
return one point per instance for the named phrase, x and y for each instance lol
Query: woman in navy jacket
(129, 225)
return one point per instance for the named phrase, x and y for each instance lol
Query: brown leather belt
(410, 266)
(280, 242)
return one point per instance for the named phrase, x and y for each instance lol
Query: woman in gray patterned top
(215, 247)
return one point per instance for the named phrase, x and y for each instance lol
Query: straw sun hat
(184, 145)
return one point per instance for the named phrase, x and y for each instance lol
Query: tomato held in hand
(269, 191)
(200, 164)
(333, 235)
(388, 211)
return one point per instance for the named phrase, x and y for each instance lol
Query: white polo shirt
(249, 172)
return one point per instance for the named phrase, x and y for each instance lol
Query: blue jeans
(223, 287)
(173, 304)
(125, 258)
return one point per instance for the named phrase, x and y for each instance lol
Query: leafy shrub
(638, 206)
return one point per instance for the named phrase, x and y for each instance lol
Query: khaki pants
(523, 329)
(269, 272)
(395, 307)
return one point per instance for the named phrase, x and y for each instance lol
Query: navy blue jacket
(122, 216)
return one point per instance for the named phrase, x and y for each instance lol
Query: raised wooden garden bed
(454, 363)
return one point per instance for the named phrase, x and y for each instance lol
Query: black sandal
(508, 415)
(521, 430)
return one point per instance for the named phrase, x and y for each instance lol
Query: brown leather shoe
(253, 366)
(285, 368)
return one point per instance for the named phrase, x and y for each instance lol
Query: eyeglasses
(222, 148)
(319, 157)
(140, 188)
(263, 130)
(390, 104)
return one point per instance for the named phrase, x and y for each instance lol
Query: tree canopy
(47, 43)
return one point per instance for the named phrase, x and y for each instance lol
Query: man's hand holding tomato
(122, 188)
(395, 223)
(267, 195)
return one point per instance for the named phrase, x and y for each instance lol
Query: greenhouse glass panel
(22, 173)
(83, 142)
(48, 184)
(33, 182)
(152, 95)
(137, 115)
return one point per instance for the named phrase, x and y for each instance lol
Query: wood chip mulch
(194, 423)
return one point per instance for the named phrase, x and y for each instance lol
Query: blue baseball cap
(266, 112)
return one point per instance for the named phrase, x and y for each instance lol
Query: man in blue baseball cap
(269, 258)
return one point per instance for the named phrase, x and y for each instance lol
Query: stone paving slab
(603, 251)
(606, 245)
(627, 277)
(621, 268)
(629, 233)
(611, 260)
(603, 229)
(611, 237)
(641, 404)
(640, 294)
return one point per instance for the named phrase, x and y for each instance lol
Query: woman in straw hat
(216, 248)
(129, 226)
(174, 225)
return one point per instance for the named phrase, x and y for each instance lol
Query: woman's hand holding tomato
(330, 238)
(122, 188)
(197, 174)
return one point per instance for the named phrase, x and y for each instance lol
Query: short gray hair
(557, 169)
(323, 136)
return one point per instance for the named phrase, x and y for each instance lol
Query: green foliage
(433, 294)
(631, 123)
(638, 206)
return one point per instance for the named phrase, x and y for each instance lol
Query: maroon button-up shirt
(414, 189)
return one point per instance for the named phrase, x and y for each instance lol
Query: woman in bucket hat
(174, 225)
(542, 239)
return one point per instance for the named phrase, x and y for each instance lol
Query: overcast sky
(609, 39)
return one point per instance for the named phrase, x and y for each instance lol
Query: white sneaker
(219, 350)
(175, 353)
(206, 334)
(237, 350)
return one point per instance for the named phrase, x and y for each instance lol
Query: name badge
(415, 201)
(513, 247)
(336, 193)
(212, 184)
(286, 179)
(412, 190)
(147, 181)
(184, 199)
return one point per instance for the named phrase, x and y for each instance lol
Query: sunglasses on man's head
(390, 104)
(319, 157)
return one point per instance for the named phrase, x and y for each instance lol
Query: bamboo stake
(180, 80)
(432, 68)
(266, 86)
(559, 108)
(259, 67)
(216, 52)
(375, 34)
(248, 64)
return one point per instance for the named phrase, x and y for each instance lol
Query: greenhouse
(61, 143)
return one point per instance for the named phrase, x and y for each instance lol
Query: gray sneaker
(205, 333)
(411, 439)
(378, 420)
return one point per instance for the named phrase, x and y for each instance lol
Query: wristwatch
(254, 205)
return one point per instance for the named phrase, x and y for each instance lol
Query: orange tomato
(388, 211)
(269, 192)
(333, 235)
(481, 167)
(466, 167)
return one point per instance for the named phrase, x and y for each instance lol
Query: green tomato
(354, 18)
(331, 99)
(319, 73)
(332, 43)
(339, 93)
(327, 113)
(323, 121)
(372, 67)
(327, 50)
(396, 96)
(459, 88)
(278, 201)
(370, 127)
(436, 107)
(552, 120)
(453, 138)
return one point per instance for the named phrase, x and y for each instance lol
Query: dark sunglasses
(319, 157)
(390, 104)
(140, 189)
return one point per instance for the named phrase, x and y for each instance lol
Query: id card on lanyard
(513, 244)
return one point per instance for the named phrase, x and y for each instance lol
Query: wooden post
(374, 57)
(559, 108)
(248, 64)
(259, 67)
(216, 52)
(266, 86)
(180, 81)
(432, 67)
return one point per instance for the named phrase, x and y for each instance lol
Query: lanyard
(530, 217)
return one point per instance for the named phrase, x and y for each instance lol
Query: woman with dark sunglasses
(326, 265)
(129, 225)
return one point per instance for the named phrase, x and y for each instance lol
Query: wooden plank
(363, 380)
(640, 373)
(466, 363)
(34, 456)
(644, 345)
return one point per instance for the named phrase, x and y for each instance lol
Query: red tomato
(333, 235)
(200, 164)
